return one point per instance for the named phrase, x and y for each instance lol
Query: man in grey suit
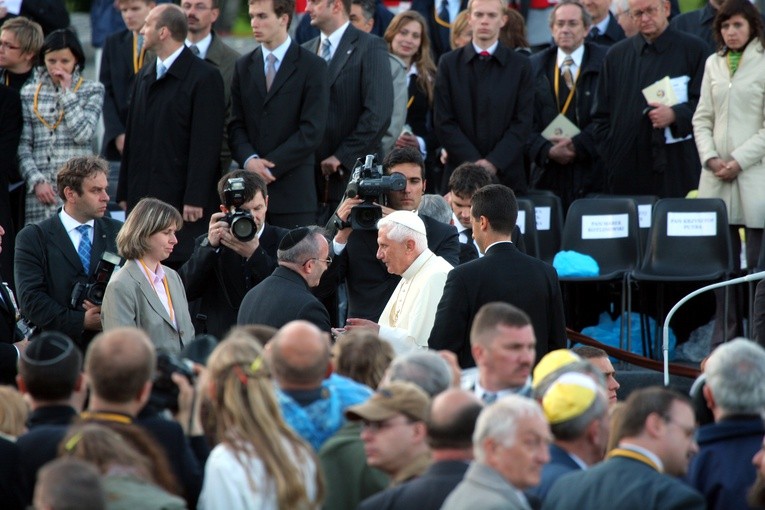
(510, 444)
(360, 98)
(207, 45)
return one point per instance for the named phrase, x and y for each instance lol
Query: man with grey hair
(285, 296)
(408, 317)
(736, 396)
(510, 445)
(577, 409)
(426, 369)
(621, 12)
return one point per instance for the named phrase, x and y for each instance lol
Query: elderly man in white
(408, 317)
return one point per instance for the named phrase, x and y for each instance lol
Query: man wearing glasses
(648, 147)
(285, 296)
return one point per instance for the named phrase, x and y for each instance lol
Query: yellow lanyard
(438, 18)
(167, 290)
(631, 454)
(409, 103)
(104, 416)
(60, 117)
(557, 91)
(137, 56)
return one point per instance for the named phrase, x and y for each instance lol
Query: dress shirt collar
(70, 223)
(279, 52)
(415, 267)
(603, 25)
(498, 242)
(169, 60)
(643, 451)
(524, 390)
(577, 55)
(579, 462)
(334, 39)
(203, 45)
(491, 49)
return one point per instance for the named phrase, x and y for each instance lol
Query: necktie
(83, 250)
(194, 49)
(484, 56)
(161, 70)
(469, 234)
(594, 33)
(325, 54)
(489, 397)
(443, 12)
(565, 70)
(270, 70)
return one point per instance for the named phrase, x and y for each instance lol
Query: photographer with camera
(52, 257)
(370, 285)
(237, 253)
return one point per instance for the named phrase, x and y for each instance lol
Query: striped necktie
(83, 250)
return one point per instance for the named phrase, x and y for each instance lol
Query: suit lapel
(6, 305)
(59, 238)
(134, 270)
(286, 68)
(257, 73)
(343, 53)
(99, 244)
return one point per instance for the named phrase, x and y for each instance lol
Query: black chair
(645, 205)
(689, 242)
(527, 222)
(607, 230)
(549, 223)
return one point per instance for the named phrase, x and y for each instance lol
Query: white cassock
(410, 313)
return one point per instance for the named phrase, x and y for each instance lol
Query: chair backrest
(548, 211)
(527, 222)
(689, 237)
(645, 205)
(605, 229)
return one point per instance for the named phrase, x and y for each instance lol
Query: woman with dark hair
(61, 111)
(728, 128)
(407, 38)
(145, 293)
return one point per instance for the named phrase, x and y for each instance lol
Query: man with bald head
(311, 397)
(450, 426)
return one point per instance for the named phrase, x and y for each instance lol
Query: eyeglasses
(377, 426)
(8, 46)
(650, 12)
(688, 431)
(328, 260)
(196, 7)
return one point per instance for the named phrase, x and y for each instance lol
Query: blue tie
(161, 70)
(443, 12)
(325, 52)
(83, 250)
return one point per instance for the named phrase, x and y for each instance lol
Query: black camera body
(164, 392)
(93, 290)
(368, 183)
(242, 223)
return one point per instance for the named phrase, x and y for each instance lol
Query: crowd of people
(327, 227)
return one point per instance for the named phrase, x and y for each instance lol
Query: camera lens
(243, 228)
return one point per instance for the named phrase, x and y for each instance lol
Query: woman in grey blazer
(144, 293)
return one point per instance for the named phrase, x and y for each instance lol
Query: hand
(330, 166)
(216, 228)
(715, 164)
(562, 151)
(191, 213)
(119, 142)
(62, 78)
(728, 171)
(661, 116)
(92, 320)
(488, 165)
(261, 167)
(407, 140)
(454, 366)
(44, 193)
(189, 416)
(242, 248)
(343, 213)
(352, 324)
(443, 157)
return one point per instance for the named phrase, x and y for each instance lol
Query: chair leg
(629, 313)
(621, 313)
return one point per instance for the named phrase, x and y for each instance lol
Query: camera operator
(223, 267)
(370, 285)
(56, 254)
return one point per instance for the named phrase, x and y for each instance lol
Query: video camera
(241, 222)
(93, 290)
(368, 183)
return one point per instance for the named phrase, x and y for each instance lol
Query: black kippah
(293, 237)
(47, 349)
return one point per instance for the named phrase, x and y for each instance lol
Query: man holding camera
(227, 262)
(55, 255)
(370, 285)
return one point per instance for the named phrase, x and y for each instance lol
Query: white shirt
(202, 45)
(492, 244)
(491, 49)
(70, 225)
(603, 25)
(480, 391)
(157, 281)
(463, 235)
(169, 60)
(279, 52)
(409, 315)
(577, 55)
(334, 39)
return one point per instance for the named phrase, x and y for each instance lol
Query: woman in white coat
(729, 125)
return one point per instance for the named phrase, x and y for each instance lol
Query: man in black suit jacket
(360, 92)
(10, 132)
(222, 268)
(439, 29)
(278, 121)
(605, 30)
(10, 334)
(370, 285)
(286, 296)
(174, 130)
(484, 100)
(47, 262)
(503, 274)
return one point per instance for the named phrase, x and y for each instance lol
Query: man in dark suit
(361, 97)
(12, 340)
(223, 268)
(484, 99)
(605, 30)
(50, 14)
(450, 425)
(370, 285)
(52, 255)
(440, 14)
(503, 274)
(174, 129)
(207, 45)
(658, 425)
(286, 296)
(10, 132)
(279, 113)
